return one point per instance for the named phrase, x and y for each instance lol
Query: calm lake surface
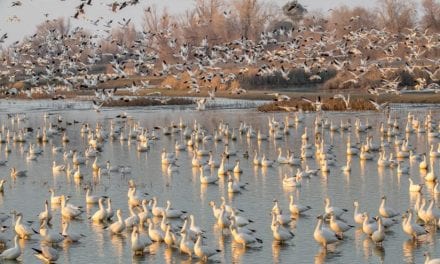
(366, 183)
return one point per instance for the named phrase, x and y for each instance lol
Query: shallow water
(366, 183)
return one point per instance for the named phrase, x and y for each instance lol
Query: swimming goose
(91, 199)
(23, 231)
(53, 198)
(207, 179)
(215, 210)
(291, 181)
(323, 235)
(173, 213)
(49, 236)
(423, 165)
(237, 168)
(430, 176)
(357, 216)
(233, 187)
(386, 211)
(156, 235)
(58, 168)
(333, 210)
(265, 162)
(12, 253)
(46, 214)
(203, 252)
(69, 211)
(139, 242)
(70, 236)
(429, 260)
(244, 239)
(170, 238)
(296, 208)
(338, 226)
(281, 159)
(367, 226)
(132, 220)
(223, 219)
(378, 236)
(240, 220)
(100, 215)
(16, 173)
(281, 234)
(414, 187)
(119, 226)
(2, 185)
(412, 229)
(46, 253)
(186, 245)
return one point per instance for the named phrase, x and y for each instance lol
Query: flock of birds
(150, 223)
(69, 59)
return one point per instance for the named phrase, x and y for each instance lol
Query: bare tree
(431, 15)
(252, 16)
(294, 11)
(396, 15)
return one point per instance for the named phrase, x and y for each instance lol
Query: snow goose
(323, 235)
(17, 173)
(70, 236)
(12, 253)
(139, 242)
(69, 211)
(119, 226)
(281, 234)
(386, 211)
(296, 208)
(100, 215)
(186, 245)
(132, 220)
(203, 252)
(414, 187)
(156, 235)
(246, 240)
(412, 229)
(367, 226)
(173, 213)
(378, 236)
(332, 209)
(46, 253)
(46, 214)
(58, 167)
(23, 231)
(49, 236)
(338, 226)
(429, 260)
(170, 238)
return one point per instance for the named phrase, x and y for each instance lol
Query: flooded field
(366, 183)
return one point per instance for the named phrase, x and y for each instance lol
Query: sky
(32, 12)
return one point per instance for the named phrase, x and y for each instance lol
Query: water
(366, 183)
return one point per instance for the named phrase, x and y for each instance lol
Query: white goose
(296, 208)
(378, 236)
(244, 239)
(46, 253)
(100, 215)
(386, 211)
(429, 260)
(203, 252)
(119, 226)
(70, 236)
(412, 229)
(323, 235)
(46, 214)
(332, 209)
(281, 234)
(12, 253)
(139, 242)
(173, 213)
(23, 231)
(414, 187)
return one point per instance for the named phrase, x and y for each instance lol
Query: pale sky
(31, 12)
